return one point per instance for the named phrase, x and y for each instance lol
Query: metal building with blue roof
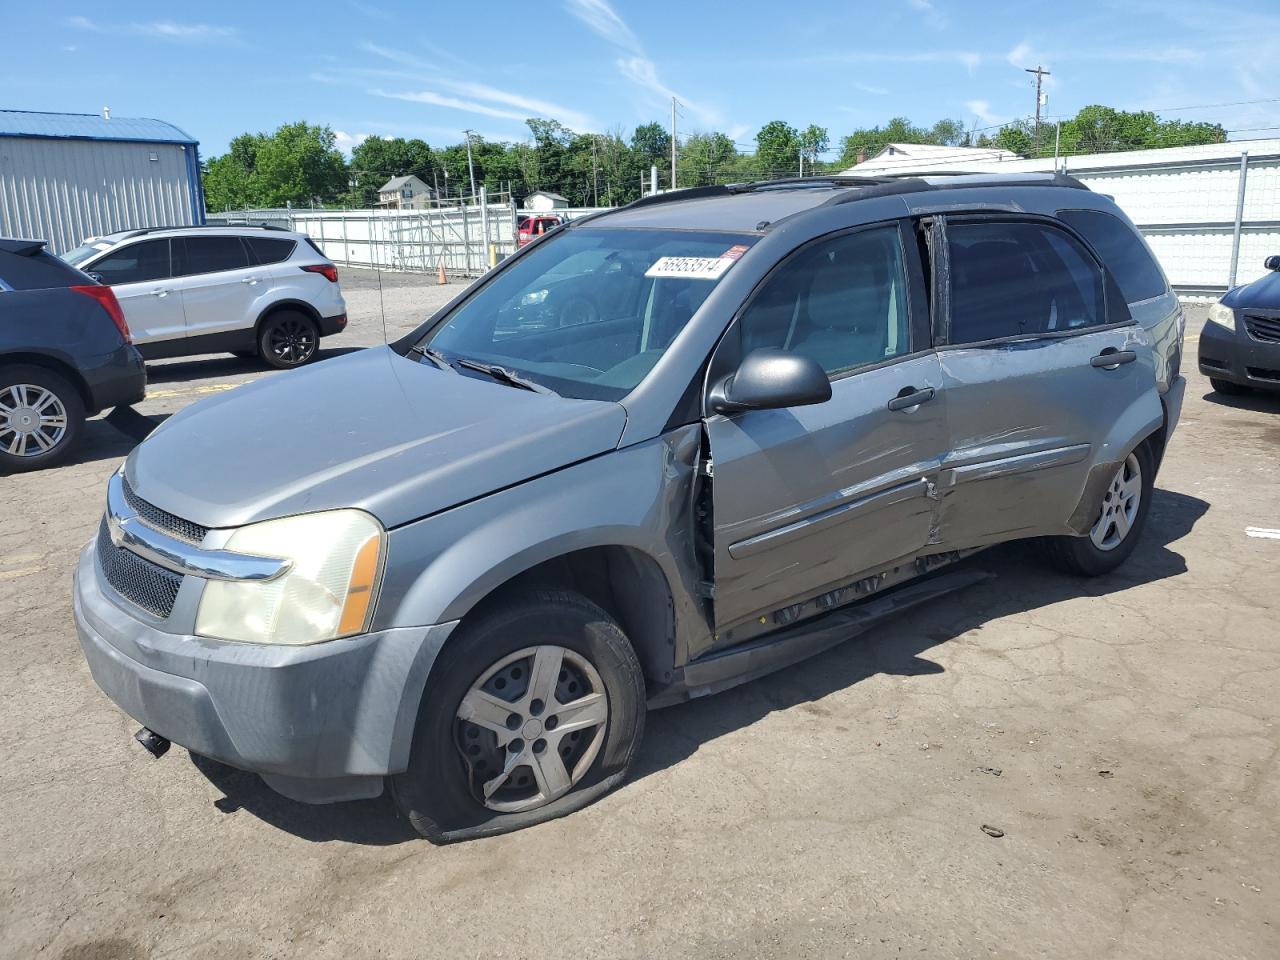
(68, 176)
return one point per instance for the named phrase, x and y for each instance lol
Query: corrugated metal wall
(63, 191)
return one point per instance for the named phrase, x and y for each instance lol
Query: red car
(530, 228)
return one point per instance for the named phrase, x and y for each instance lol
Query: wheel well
(301, 306)
(626, 583)
(65, 370)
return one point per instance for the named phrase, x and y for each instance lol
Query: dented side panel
(807, 497)
(1031, 423)
(640, 497)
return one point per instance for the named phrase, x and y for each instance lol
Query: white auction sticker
(693, 268)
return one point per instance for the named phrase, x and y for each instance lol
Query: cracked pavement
(833, 809)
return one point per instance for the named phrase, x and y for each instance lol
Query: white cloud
(159, 29)
(868, 88)
(531, 107)
(932, 16)
(642, 72)
(604, 20)
(982, 110)
(346, 142)
(453, 103)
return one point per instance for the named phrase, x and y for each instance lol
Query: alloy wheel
(1119, 506)
(291, 340)
(33, 420)
(530, 727)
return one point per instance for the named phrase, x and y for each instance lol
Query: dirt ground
(1120, 733)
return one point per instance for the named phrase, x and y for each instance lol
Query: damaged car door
(1049, 381)
(808, 498)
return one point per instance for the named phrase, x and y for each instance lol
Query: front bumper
(321, 723)
(1237, 357)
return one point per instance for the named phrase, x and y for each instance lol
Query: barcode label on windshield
(691, 268)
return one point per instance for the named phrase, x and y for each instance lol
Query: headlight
(327, 592)
(1223, 316)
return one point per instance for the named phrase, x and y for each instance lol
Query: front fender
(640, 497)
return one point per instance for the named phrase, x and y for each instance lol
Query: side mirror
(769, 379)
(1272, 262)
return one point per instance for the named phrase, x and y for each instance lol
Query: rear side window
(840, 302)
(134, 263)
(269, 249)
(1122, 250)
(36, 271)
(211, 255)
(1011, 279)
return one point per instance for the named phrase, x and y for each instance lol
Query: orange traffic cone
(440, 277)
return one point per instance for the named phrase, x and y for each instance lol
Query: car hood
(1263, 293)
(373, 430)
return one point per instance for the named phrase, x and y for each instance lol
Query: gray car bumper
(321, 723)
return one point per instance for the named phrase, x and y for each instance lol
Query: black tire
(1227, 388)
(1082, 557)
(288, 339)
(64, 441)
(438, 791)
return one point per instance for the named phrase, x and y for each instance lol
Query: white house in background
(910, 157)
(405, 193)
(545, 200)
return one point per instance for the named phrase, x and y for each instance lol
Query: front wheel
(533, 710)
(1118, 527)
(288, 339)
(41, 418)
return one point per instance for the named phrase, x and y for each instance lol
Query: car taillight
(107, 298)
(326, 270)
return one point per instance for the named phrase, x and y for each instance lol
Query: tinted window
(212, 254)
(135, 263)
(1020, 279)
(1122, 250)
(269, 249)
(36, 271)
(841, 302)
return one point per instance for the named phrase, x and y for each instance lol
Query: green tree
(705, 159)
(296, 164)
(777, 150)
(652, 145)
(376, 160)
(813, 141)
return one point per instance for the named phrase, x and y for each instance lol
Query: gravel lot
(1121, 733)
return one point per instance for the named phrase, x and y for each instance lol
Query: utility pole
(673, 143)
(802, 161)
(595, 192)
(471, 169)
(1040, 73)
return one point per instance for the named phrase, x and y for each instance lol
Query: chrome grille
(153, 516)
(139, 581)
(1263, 328)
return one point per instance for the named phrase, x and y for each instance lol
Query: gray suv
(658, 452)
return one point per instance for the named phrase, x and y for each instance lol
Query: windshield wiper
(435, 356)
(503, 374)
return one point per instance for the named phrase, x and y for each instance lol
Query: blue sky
(399, 68)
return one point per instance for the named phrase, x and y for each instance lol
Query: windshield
(82, 253)
(588, 313)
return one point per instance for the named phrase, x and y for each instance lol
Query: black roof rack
(860, 188)
(142, 231)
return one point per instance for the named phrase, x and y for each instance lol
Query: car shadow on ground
(215, 365)
(1257, 400)
(1022, 583)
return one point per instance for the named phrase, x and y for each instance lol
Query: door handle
(909, 397)
(159, 292)
(1111, 358)
(249, 280)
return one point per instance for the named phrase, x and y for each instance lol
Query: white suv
(251, 291)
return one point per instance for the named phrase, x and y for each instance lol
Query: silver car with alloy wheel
(791, 410)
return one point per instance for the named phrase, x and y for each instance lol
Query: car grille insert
(1266, 329)
(153, 516)
(139, 581)
(1262, 373)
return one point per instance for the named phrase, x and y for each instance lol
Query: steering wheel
(578, 310)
